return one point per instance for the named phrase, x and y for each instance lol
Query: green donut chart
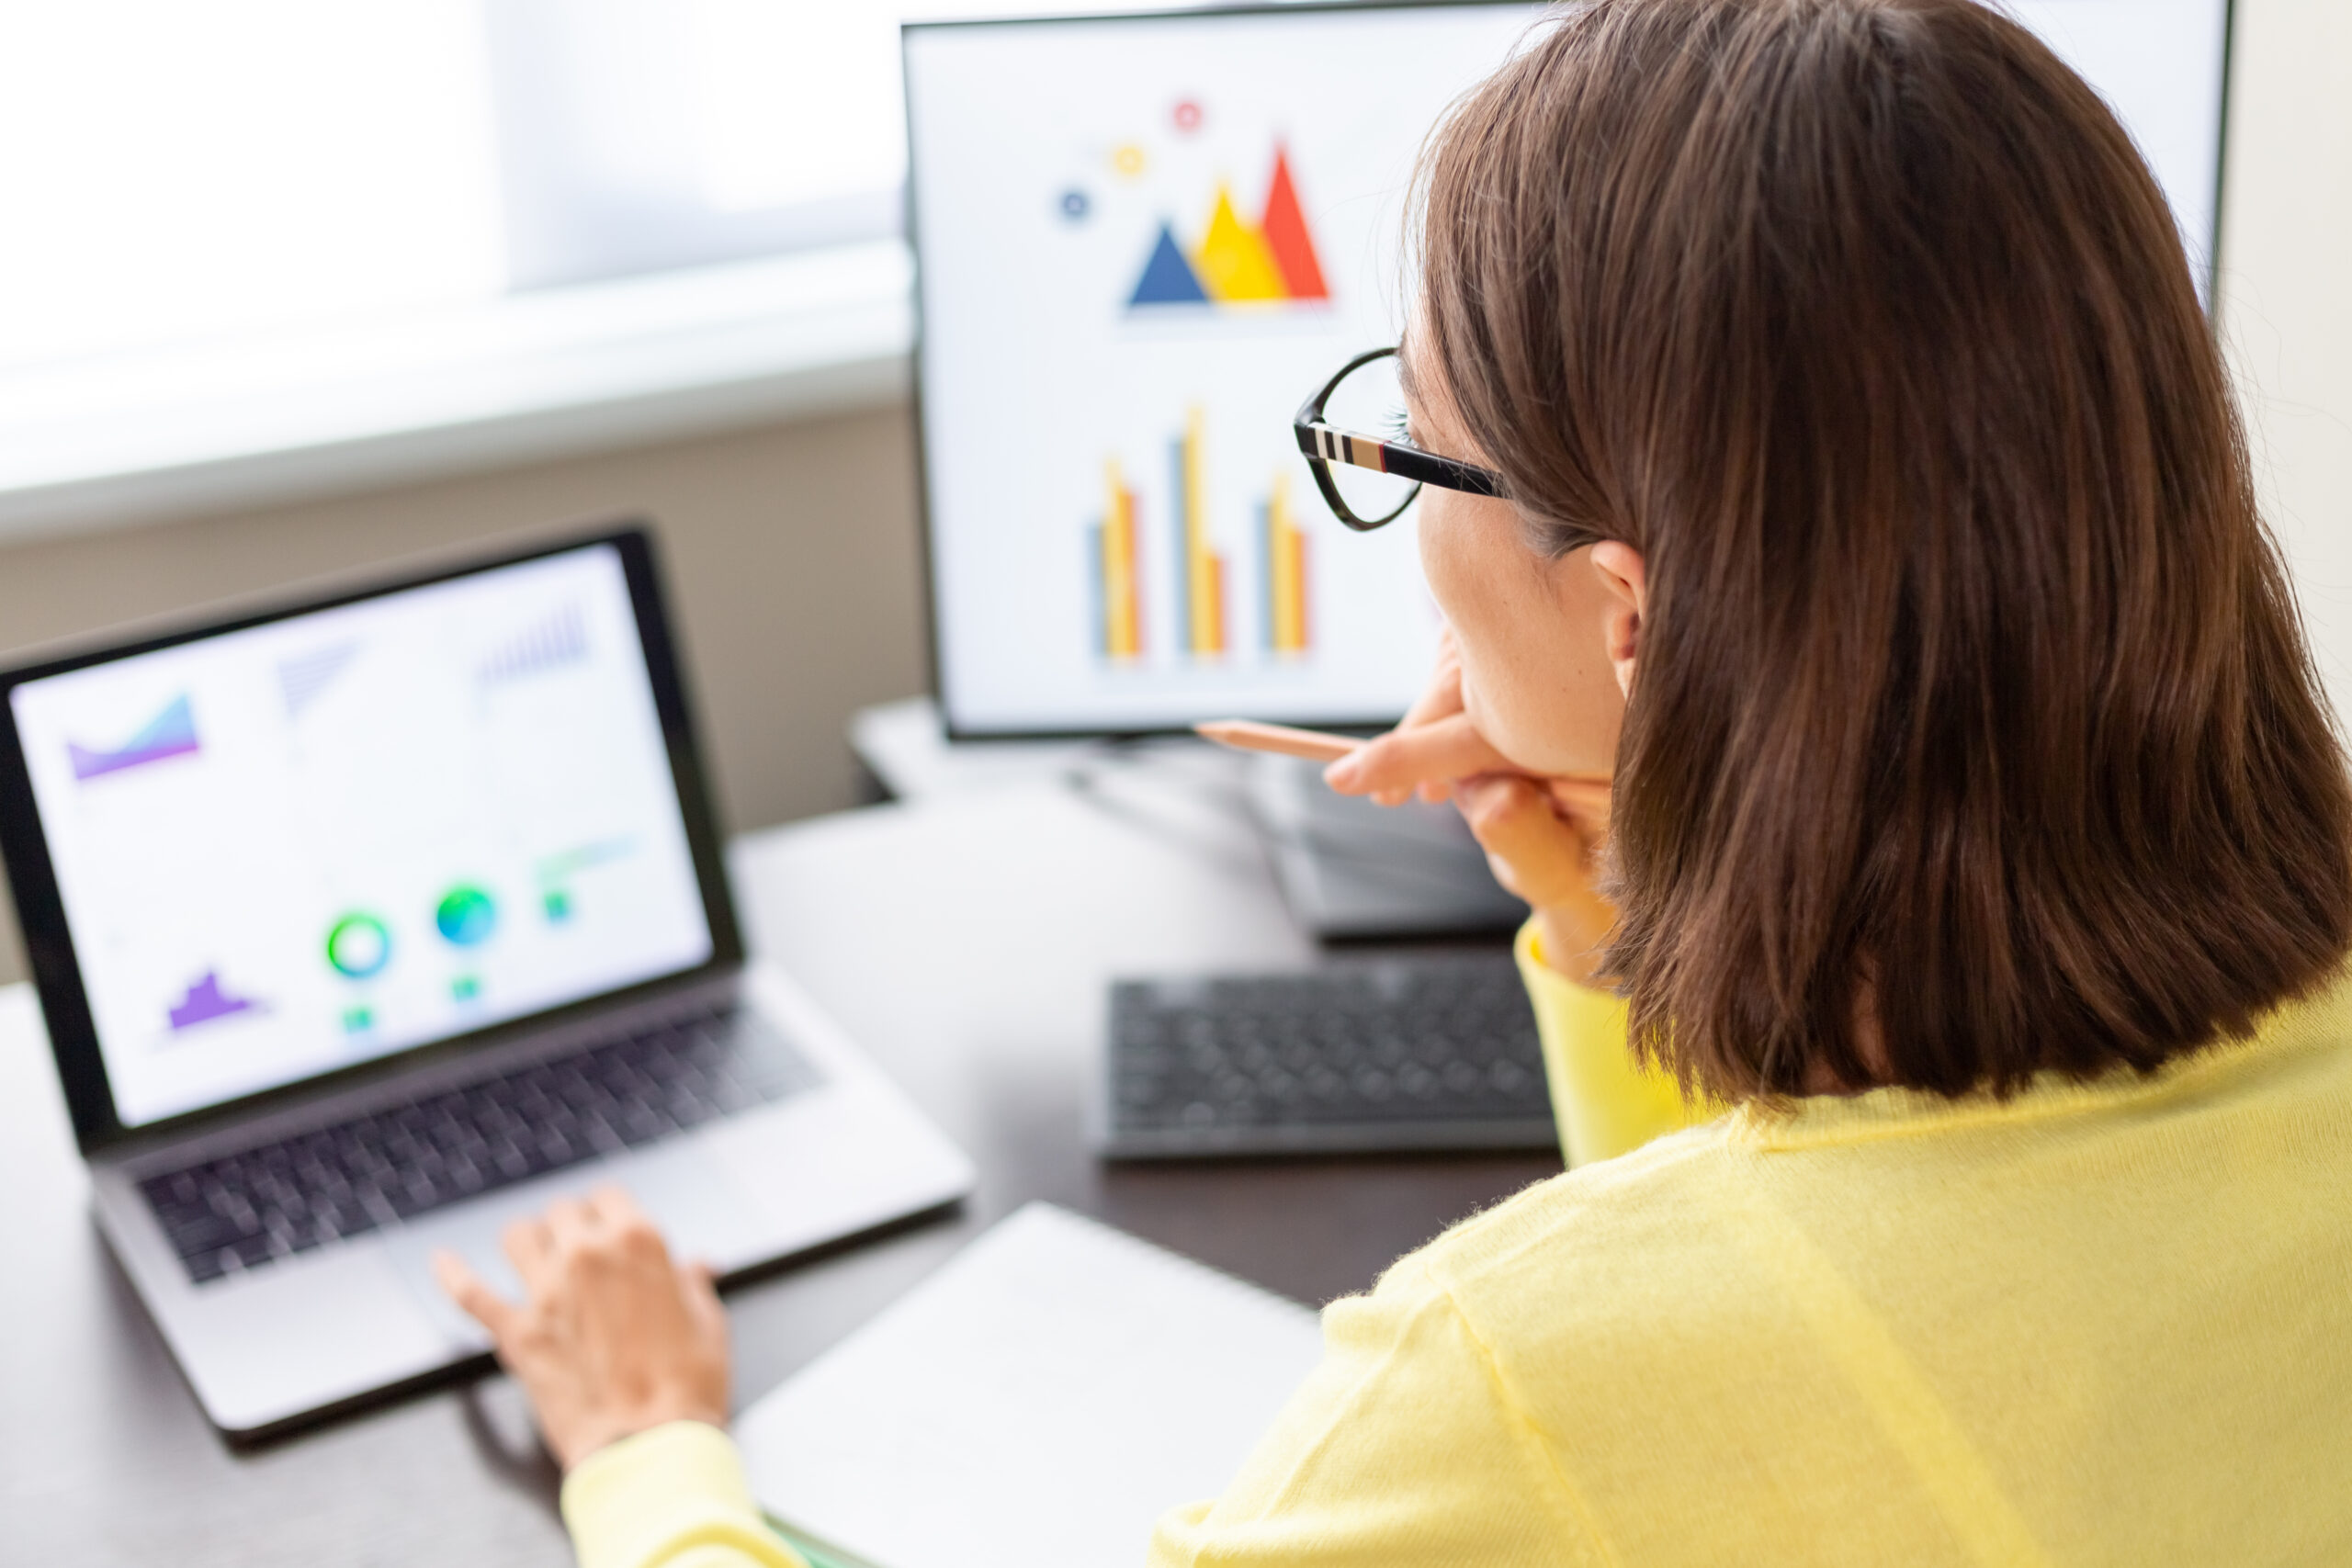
(466, 916)
(359, 946)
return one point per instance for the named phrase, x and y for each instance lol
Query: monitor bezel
(926, 550)
(40, 908)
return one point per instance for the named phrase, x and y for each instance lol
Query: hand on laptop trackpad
(702, 1213)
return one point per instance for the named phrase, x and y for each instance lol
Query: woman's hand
(1542, 836)
(1548, 853)
(613, 1337)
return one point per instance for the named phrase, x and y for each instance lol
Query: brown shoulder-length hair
(1971, 696)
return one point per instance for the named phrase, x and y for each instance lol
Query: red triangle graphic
(1284, 228)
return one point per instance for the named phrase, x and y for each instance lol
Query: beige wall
(2287, 294)
(792, 566)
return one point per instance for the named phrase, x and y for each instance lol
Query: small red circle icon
(1187, 115)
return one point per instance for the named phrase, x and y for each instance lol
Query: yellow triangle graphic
(1233, 262)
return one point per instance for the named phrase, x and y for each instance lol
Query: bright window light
(172, 171)
(175, 172)
(772, 81)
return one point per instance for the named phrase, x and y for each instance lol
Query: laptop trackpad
(702, 1212)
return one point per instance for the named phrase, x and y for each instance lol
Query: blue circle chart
(466, 916)
(358, 945)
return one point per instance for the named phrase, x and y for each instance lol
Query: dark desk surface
(965, 943)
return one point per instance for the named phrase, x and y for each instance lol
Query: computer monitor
(1142, 241)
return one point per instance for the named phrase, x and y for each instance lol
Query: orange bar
(1215, 643)
(1295, 605)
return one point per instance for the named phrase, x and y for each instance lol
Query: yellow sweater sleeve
(1605, 1101)
(672, 1497)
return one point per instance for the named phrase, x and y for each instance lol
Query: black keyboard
(244, 1209)
(1430, 1050)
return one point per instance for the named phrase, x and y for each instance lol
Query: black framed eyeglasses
(1370, 478)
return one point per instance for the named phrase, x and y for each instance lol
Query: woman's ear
(1625, 584)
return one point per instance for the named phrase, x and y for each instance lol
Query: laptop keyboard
(245, 1210)
(1413, 1052)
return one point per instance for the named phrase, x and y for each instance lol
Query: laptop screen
(319, 841)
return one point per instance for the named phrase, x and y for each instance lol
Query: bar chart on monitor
(1209, 619)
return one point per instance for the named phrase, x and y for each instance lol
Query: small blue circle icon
(466, 917)
(1076, 205)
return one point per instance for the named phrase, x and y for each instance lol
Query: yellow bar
(1121, 633)
(1285, 593)
(1208, 616)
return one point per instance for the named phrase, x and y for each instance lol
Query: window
(215, 200)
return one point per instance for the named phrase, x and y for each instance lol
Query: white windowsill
(529, 376)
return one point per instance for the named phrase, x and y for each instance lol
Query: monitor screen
(315, 842)
(1143, 242)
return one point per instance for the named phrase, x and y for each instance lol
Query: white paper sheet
(1039, 1401)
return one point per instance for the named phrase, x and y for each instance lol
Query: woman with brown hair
(1841, 460)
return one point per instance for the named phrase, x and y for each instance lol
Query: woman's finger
(478, 1301)
(572, 1233)
(699, 1281)
(609, 1210)
(1584, 801)
(627, 1227)
(530, 1247)
(1403, 760)
(1514, 820)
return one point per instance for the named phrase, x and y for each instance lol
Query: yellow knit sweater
(2093, 1324)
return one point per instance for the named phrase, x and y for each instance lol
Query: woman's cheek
(1494, 699)
(1438, 534)
(1466, 557)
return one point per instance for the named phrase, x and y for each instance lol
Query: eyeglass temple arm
(1324, 443)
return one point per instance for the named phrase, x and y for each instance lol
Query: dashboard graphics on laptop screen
(1142, 241)
(324, 839)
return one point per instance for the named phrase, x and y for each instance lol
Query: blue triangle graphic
(1168, 279)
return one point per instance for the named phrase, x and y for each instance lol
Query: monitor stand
(1354, 871)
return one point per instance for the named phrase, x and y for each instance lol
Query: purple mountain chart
(171, 733)
(207, 1000)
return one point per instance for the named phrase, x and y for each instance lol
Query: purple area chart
(205, 1000)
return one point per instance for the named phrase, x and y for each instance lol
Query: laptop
(365, 925)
